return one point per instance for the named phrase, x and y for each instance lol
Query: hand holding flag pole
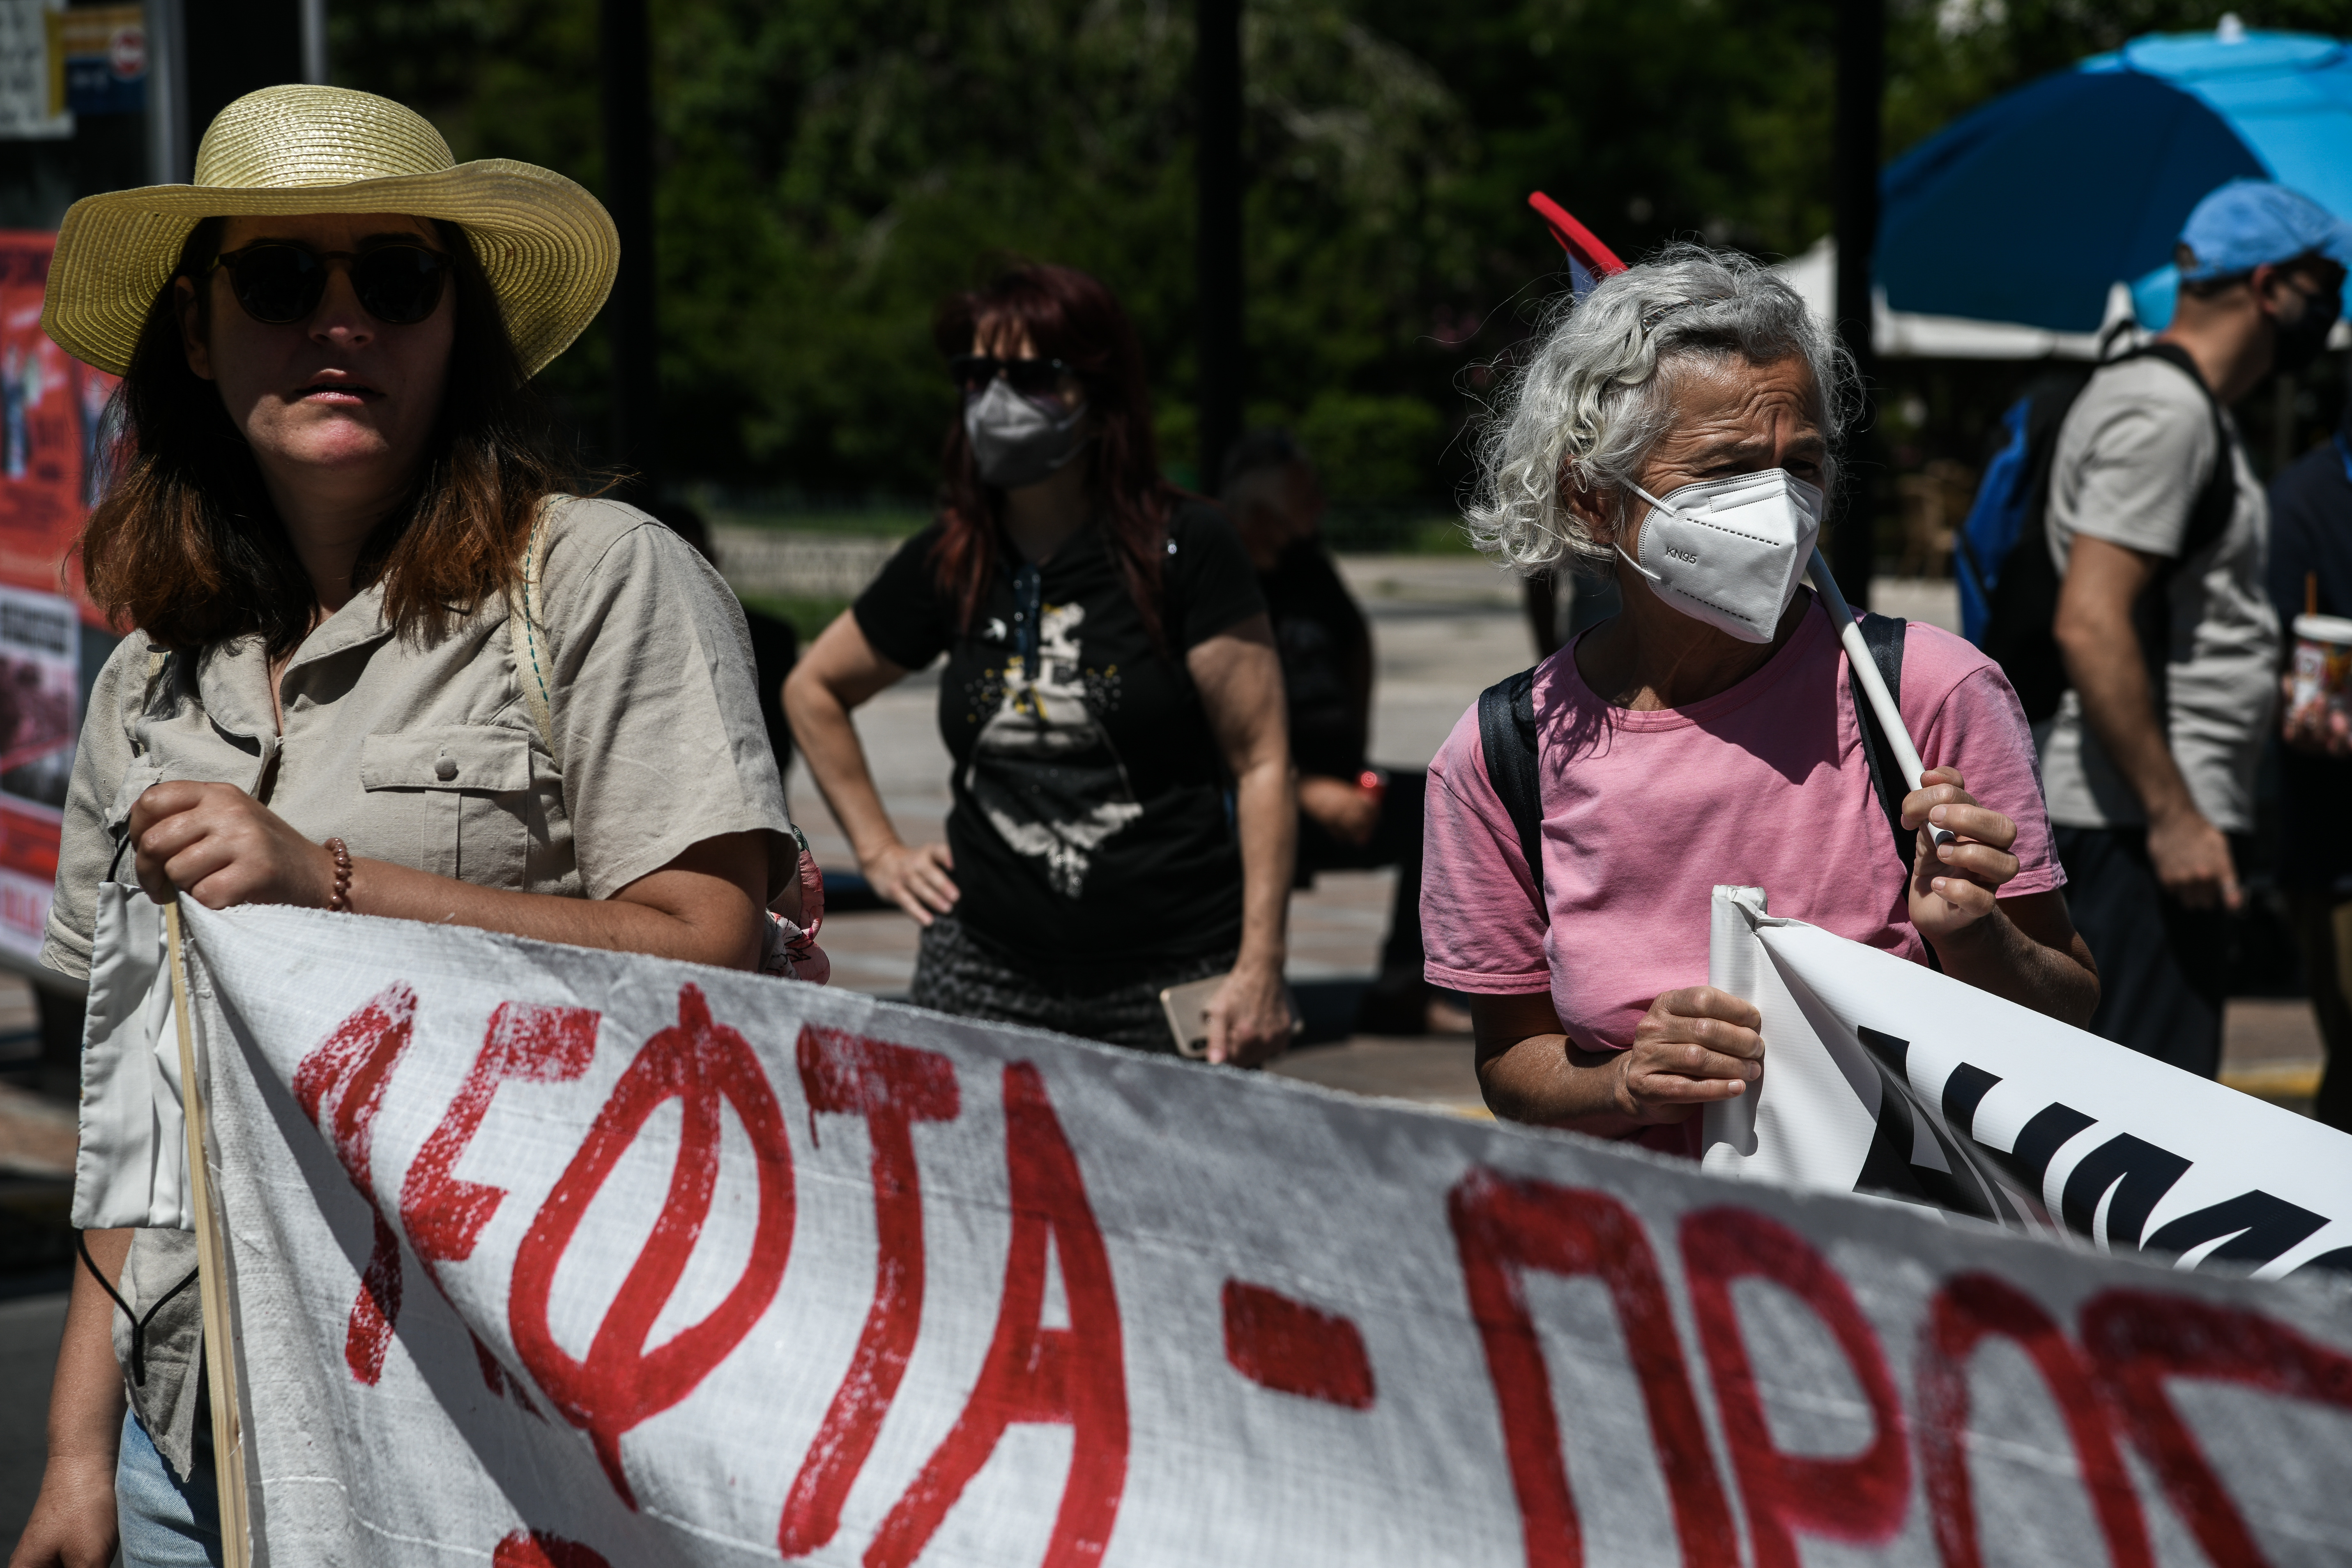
(1874, 686)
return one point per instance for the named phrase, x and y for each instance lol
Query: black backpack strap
(1506, 735)
(1883, 634)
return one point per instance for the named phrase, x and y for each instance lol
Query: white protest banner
(544, 1256)
(1882, 1076)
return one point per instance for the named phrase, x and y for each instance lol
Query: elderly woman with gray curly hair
(1680, 426)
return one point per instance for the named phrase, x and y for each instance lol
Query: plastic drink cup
(2321, 695)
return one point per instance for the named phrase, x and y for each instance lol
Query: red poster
(53, 413)
(52, 408)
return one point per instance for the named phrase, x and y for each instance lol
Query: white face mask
(1729, 551)
(1018, 440)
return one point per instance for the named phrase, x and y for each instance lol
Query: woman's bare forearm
(836, 761)
(73, 1519)
(1545, 1081)
(86, 1401)
(707, 906)
(1996, 954)
(1266, 811)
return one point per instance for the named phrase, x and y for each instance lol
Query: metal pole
(314, 41)
(1861, 95)
(168, 159)
(626, 43)
(1218, 173)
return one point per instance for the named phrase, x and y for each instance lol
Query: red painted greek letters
(2139, 1337)
(1504, 1227)
(1074, 1376)
(1964, 1312)
(351, 1068)
(538, 1549)
(1859, 1500)
(443, 1215)
(620, 1381)
(1292, 1348)
(892, 1087)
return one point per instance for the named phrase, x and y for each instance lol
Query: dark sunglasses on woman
(280, 282)
(1029, 377)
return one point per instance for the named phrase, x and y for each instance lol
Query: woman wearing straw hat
(382, 663)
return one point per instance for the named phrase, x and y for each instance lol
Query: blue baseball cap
(2247, 224)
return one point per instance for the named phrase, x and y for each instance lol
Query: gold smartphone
(1187, 1006)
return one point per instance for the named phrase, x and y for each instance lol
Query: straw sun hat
(547, 246)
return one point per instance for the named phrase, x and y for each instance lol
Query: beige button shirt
(424, 754)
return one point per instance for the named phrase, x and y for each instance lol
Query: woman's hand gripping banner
(1885, 1078)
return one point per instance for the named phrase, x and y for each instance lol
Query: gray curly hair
(1588, 403)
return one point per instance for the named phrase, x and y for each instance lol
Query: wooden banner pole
(212, 1281)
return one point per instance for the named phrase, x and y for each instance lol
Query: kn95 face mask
(1018, 440)
(1729, 551)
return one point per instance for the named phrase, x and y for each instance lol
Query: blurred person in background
(1110, 677)
(2311, 574)
(2159, 529)
(1352, 815)
(1708, 732)
(344, 531)
(776, 646)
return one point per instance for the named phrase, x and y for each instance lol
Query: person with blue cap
(2168, 639)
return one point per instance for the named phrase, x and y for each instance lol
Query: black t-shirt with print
(1092, 839)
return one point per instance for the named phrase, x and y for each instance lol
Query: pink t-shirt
(1763, 785)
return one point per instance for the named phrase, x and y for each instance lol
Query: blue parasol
(2030, 208)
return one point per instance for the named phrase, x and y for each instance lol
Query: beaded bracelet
(341, 899)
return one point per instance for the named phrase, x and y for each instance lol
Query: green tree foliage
(831, 169)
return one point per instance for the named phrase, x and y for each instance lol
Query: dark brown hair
(184, 544)
(1071, 317)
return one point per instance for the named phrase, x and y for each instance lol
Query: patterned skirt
(956, 974)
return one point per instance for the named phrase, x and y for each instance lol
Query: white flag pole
(1874, 686)
(212, 1278)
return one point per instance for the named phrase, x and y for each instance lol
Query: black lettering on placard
(1963, 1092)
(1894, 1052)
(1963, 1154)
(1888, 1169)
(2138, 1170)
(2038, 1144)
(1963, 1186)
(2266, 1226)
(2338, 1262)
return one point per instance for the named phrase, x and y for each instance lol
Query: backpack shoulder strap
(1883, 634)
(1507, 738)
(527, 634)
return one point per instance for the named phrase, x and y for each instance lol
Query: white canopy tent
(1902, 334)
(1905, 334)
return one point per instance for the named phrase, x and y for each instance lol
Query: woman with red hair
(1111, 676)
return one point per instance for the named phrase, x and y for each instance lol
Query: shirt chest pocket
(454, 800)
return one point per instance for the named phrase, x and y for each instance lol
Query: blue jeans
(165, 1522)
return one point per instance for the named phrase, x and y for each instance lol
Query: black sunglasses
(1029, 377)
(280, 282)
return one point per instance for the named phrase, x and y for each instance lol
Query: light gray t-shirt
(2134, 457)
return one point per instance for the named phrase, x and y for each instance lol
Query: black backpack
(2020, 585)
(1507, 737)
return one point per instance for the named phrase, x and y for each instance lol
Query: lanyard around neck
(1028, 605)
